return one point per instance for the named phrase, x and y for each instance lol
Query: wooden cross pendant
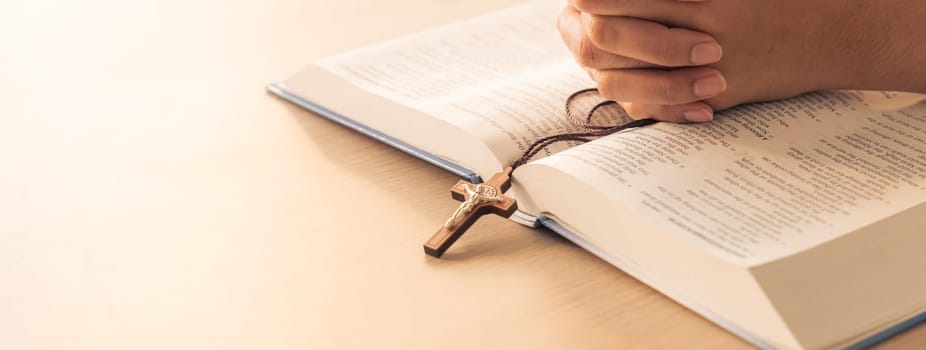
(478, 200)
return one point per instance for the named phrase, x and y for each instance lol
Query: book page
(504, 76)
(767, 180)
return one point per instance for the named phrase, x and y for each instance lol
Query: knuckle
(667, 113)
(587, 54)
(610, 87)
(599, 30)
(670, 49)
(673, 90)
(667, 90)
(635, 110)
(666, 54)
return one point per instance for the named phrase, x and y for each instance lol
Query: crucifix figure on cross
(478, 200)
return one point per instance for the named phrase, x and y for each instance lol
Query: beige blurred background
(152, 196)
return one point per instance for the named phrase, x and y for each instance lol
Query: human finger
(671, 12)
(587, 53)
(659, 87)
(694, 112)
(650, 41)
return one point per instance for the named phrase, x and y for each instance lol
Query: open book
(793, 224)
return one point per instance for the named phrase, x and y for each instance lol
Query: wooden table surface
(153, 196)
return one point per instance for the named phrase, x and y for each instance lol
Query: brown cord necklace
(489, 198)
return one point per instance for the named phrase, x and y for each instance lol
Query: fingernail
(710, 86)
(698, 116)
(706, 53)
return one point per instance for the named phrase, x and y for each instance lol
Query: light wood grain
(152, 196)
